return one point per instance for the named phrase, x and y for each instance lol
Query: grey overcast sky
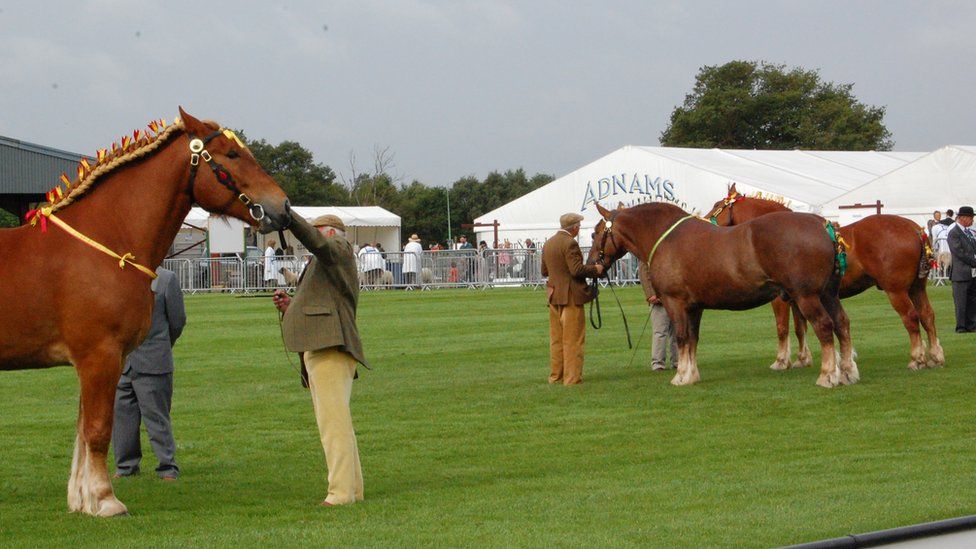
(458, 88)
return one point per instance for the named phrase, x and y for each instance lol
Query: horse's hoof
(916, 365)
(825, 381)
(780, 365)
(112, 508)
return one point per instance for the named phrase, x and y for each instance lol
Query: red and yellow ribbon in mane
(45, 213)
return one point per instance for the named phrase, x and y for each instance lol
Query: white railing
(476, 269)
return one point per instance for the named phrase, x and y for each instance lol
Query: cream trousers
(330, 374)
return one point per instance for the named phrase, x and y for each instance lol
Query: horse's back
(794, 248)
(885, 250)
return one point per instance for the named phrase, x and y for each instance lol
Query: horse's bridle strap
(663, 236)
(224, 177)
(45, 213)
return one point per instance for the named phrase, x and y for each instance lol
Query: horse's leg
(76, 481)
(99, 373)
(781, 310)
(920, 297)
(686, 333)
(849, 373)
(909, 317)
(804, 357)
(813, 310)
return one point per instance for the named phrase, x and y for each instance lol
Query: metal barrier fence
(477, 269)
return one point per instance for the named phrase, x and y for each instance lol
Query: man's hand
(599, 269)
(281, 300)
(653, 299)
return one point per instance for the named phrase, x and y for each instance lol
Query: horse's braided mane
(769, 197)
(132, 148)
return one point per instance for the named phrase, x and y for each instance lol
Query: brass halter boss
(224, 177)
(727, 202)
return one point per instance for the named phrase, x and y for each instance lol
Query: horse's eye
(233, 154)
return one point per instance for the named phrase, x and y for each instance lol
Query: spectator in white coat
(411, 259)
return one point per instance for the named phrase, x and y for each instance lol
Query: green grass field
(464, 443)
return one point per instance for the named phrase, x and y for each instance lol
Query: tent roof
(945, 177)
(352, 216)
(810, 177)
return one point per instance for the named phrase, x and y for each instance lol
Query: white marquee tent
(944, 179)
(363, 223)
(693, 179)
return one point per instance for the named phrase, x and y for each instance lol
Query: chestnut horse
(695, 265)
(886, 251)
(88, 302)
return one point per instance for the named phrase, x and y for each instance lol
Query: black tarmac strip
(894, 535)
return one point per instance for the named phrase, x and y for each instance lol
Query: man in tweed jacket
(320, 323)
(562, 262)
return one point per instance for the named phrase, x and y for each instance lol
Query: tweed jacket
(155, 354)
(323, 312)
(963, 254)
(562, 262)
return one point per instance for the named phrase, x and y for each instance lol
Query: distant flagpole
(449, 214)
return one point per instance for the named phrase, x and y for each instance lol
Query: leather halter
(224, 177)
(607, 233)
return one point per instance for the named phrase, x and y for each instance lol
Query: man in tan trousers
(320, 323)
(566, 289)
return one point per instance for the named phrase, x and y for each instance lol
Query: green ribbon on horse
(840, 260)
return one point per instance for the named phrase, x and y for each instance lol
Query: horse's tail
(840, 247)
(927, 260)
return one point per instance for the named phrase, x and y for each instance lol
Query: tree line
(423, 209)
(737, 105)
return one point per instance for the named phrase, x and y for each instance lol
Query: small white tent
(693, 179)
(940, 180)
(363, 223)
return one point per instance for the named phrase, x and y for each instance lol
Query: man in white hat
(411, 259)
(567, 292)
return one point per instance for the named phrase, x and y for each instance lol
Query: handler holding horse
(566, 291)
(695, 266)
(111, 228)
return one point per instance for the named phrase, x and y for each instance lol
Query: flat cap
(329, 220)
(568, 220)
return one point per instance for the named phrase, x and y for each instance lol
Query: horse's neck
(641, 240)
(761, 208)
(139, 208)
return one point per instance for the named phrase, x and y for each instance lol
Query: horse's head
(721, 212)
(607, 246)
(226, 179)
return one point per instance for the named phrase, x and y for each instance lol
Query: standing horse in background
(886, 251)
(696, 266)
(75, 284)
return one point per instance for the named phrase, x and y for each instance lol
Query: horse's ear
(192, 125)
(603, 211)
(620, 205)
(732, 190)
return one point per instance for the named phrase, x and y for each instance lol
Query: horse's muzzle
(272, 218)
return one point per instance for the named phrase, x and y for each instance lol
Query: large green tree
(757, 105)
(306, 182)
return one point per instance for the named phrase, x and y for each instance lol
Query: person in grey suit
(145, 391)
(962, 244)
